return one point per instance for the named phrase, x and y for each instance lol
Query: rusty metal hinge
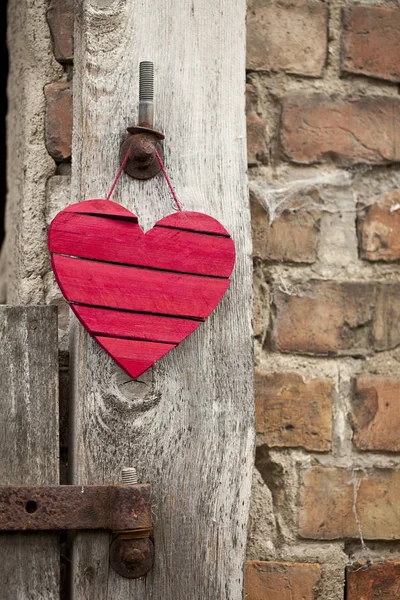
(125, 510)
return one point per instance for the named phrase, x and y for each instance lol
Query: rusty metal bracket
(142, 162)
(124, 510)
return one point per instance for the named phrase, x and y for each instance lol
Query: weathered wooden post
(188, 425)
(29, 566)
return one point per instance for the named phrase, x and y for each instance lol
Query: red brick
(380, 581)
(378, 228)
(293, 236)
(257, 150)
(317, 127)
(291, 412)
(59, 120)
(60, 17)
(375, 413)
(287, 36)
(282, 581)
(370, 41)
(329, 318)
(331, 499)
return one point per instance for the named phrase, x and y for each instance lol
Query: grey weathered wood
(29, 565)
(3, 273)
(187, 425)
(29, 166)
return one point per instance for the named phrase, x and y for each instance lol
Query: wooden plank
(144, 290)
(124, 242)
(101, 207)
(117, 323)
(29, 566)
(194, 222)
(189, 427)
(134, 356)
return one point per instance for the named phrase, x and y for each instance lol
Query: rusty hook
(142, 162)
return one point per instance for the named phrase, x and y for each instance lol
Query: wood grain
(101, 207)
(29, 566)
(193, 221)
(143, 290)
(134, 356)
(118, 323)
(123, 242)
(188, 424)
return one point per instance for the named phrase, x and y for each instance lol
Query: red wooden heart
(139, 295)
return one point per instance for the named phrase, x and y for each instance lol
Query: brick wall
(323, 152)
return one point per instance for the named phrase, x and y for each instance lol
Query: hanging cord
(160, 162)
(167, 179)
(122, 167)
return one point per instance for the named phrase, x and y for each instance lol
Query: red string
(110, 193)
(167, 179)
(119, 174)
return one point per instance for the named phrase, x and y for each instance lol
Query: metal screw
(142, 162)
(146, 94)
(129, 476)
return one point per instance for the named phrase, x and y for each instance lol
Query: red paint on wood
(194, 221)
(132, 291)
(141, 290)
(135, 357)
(124, 242)
(135, 325)
(100, 207)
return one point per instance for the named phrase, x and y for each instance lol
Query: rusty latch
(124, 510)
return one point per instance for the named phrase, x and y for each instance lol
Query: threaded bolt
(129, 476)
(146, 81)
(146, 94)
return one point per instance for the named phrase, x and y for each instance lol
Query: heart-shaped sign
(139, 294)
